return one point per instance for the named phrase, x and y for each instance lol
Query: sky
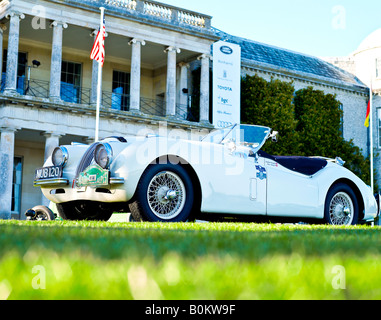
(323, 28)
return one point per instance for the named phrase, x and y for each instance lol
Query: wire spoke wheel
(341, 209)
(166, 195)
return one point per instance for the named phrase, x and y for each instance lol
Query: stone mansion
(48, 82)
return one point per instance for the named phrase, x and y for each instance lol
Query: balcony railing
(116, 101)
(75, 94)
(150, 10)
(32, 87)
(110, 100)
(156, 107)
(162, 11)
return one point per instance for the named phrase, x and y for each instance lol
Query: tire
(84, 210)
(42, 213)
(164, 193)
(341, 206)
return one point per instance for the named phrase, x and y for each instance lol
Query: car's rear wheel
(341, 206)
(84, 210)
(164, 193)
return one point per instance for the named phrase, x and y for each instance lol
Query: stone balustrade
(128, 4)
(166, 12)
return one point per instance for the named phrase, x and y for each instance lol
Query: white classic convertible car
(225, 174)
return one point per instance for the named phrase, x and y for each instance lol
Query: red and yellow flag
(366, 123)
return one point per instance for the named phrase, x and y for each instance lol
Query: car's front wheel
(164, 193)
(341, 206)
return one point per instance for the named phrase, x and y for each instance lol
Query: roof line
(338, 77)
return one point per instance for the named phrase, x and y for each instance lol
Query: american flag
(98, 50)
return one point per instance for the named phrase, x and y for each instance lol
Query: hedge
(309, 121)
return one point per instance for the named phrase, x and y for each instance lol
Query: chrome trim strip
(50, 182)
(115, 180)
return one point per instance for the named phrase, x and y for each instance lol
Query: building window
(71, 82)
(120, 90)
(16, 187)
(21, 71)
(378, 68)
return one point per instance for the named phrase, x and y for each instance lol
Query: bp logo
(226, 50)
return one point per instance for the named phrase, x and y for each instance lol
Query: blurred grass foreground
(187, 261)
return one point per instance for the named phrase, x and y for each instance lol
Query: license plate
(48, 173)
(93, 176)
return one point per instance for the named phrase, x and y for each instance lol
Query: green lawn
(106, 260)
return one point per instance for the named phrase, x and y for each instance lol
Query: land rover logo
(226, 50)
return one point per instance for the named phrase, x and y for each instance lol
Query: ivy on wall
(271, 104)
(308, 121)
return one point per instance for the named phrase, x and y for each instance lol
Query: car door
(237, 185)
(289, 193)
(258, 186)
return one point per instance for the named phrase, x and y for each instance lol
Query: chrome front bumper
(61, 182)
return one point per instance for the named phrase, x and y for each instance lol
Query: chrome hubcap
(166, 195)
(170, 195)
(341, 209)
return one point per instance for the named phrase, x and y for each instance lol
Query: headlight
(60, 156)
(103, 155)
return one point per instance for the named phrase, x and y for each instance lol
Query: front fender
(131, 162)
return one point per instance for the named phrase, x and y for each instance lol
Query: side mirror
(274, 136)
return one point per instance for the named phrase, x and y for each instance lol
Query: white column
(183, 97)
(204, 88)
(52, 140)
(135, 73)
(2, 29)
(56, 60)
(13, 51)
(7, 147)
(171, 81)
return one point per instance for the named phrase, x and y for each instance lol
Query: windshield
(242, 134)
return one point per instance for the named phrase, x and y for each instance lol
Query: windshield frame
(225, 132)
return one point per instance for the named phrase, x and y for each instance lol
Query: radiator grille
(86, 159)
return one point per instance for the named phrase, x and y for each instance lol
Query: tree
(319, 122)
(270, 104)
(308, 121)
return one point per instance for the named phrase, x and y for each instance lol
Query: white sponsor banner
(226, 84)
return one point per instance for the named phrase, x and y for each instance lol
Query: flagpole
(371, 134)
(99, 82)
